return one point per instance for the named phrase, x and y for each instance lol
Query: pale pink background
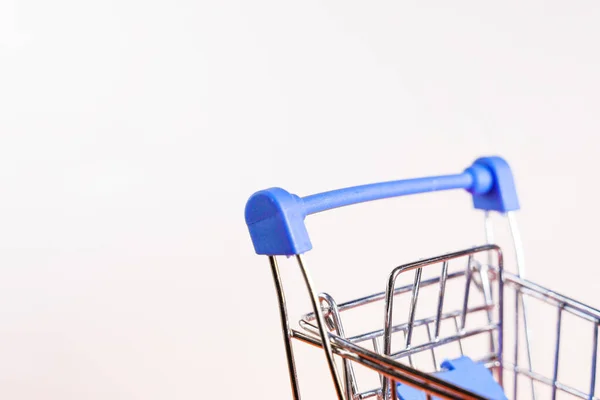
(132, 133)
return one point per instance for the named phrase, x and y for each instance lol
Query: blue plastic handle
(275, 217)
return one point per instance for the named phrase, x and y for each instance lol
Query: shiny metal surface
(337, 327)
(391, 369)
(520, 259)
(408, 329)
(285, 328)
(516, 345)
(402, 327)
(556, 353)
(373, 298)
(484, 271)
(518, 243)
(469, 275)
(551, 297)
(323, 333)
(594, 361)
(548, 382)
(438, 316)
(485, 288)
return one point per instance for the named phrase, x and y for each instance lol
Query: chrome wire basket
(458, 328)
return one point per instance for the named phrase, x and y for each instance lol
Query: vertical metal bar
(347, 380)
(442, 292)
(388, 386)
(323, 333)
(485, 276)
(520, 256)
(413, 306)
(518, 243)
(351, 385)
(435, 364)
(594, 362)
(469, 277)
(500, 319)
(410, 359)
(387, 328)
(528, 345)
(489, 234)
(412, 312)
(460, 346)
(349, 376)
(377, 350)
(556, 352)
(376, 346)
(285, 328)
(516, 349)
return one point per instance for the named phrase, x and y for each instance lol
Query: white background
(132, 133)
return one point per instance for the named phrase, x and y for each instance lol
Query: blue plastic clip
(462, 372)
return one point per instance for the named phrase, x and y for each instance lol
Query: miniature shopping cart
(460, 327)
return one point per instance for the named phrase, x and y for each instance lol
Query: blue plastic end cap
(472, 376)
(494, 187)
(462, 372)
(275, 219)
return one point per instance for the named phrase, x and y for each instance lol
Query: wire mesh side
(563, 325)
(431, 323)
(569, 335)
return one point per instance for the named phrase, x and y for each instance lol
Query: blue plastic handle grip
(275, 217)
(360, 194)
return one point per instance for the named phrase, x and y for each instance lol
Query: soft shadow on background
(132, 133)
